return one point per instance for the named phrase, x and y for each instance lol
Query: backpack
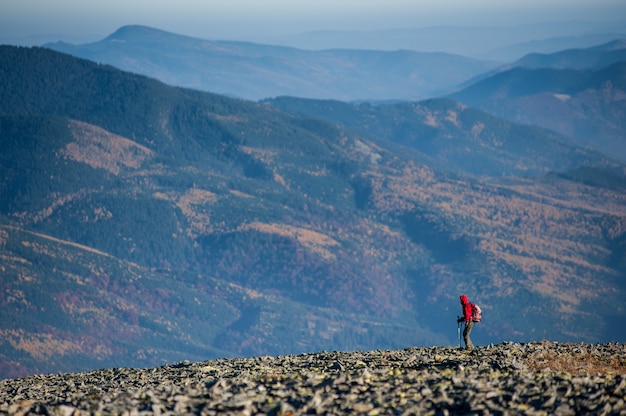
(477, 313)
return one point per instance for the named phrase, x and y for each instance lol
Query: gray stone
(508, 378)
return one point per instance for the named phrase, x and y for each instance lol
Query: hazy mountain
(43, 38)
(554, 45)
(503, 43)
(586, 104)
(143, 224)
(596, 57)
(255, 71)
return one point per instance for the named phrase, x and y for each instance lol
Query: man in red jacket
(469, 322)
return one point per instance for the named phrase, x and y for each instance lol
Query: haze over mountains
(495, 42)
(143, 223)
(255, 71)
(575, 92)
(588, 103)
(595, 57)
(504, 42)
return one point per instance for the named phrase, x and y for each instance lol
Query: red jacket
(467, 308)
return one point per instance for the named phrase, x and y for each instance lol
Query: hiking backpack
(477, 313)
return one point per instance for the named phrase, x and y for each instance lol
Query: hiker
(471, 314)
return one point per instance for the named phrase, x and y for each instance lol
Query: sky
(243, 19)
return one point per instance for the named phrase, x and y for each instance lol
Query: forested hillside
(587, 105)
(456, 137)
(142, 223)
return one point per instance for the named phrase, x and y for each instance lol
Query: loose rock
(504, 378)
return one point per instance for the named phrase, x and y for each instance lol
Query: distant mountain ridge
(594, 58)
(586, 104)
(501, 43)
(255, 71)
(142, 224)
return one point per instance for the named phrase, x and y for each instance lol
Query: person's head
(464, 300)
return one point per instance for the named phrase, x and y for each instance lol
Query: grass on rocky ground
(582, 361)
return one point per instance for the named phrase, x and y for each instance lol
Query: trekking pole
(458, 329)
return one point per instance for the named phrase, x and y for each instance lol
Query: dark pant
(466, 335)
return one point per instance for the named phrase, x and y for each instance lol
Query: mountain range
(142, 223)
(255, 71)
(576, 92)
(586, 104)
(593, 58)
(503, 43)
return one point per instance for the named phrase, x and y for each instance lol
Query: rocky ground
(534, 378)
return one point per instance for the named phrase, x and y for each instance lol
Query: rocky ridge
(508, 378)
